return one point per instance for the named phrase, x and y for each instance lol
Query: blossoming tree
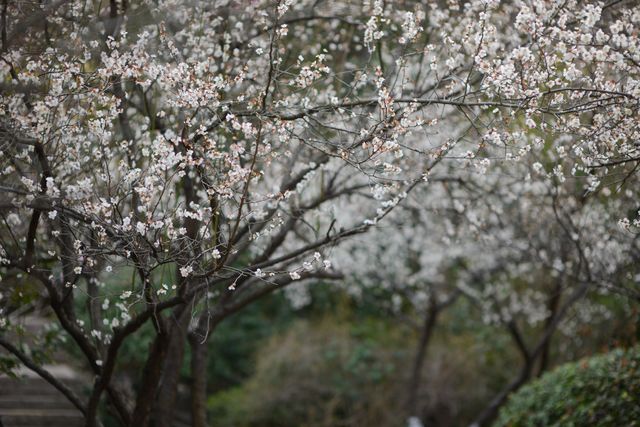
(531, 253)
(170, 162)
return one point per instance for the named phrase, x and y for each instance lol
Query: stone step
(59, 371)
(39, 401)
(33, 386)
(41, 418)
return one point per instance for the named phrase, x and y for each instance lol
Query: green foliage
(19, 291)
(317, 373)
(235, 340)
(8, 364)
(600, 391)
(351, 369)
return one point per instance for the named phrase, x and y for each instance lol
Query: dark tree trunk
(530, 357)
(150, 381)
(554, 303)
(166, 402)
(416, 373)
(491, 411)
(198, 380)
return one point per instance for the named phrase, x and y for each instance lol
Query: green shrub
(337, 372)
(599, 391)
(314, 375)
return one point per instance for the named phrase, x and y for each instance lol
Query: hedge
(599, 391)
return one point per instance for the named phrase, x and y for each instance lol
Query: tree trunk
(150, 381)
(491, 411)
(198, 380)
(554, 302)
(166, 402)
(416, 373)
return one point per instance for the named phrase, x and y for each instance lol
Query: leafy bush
(335, 371)
(599, 391)
(318, 375)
